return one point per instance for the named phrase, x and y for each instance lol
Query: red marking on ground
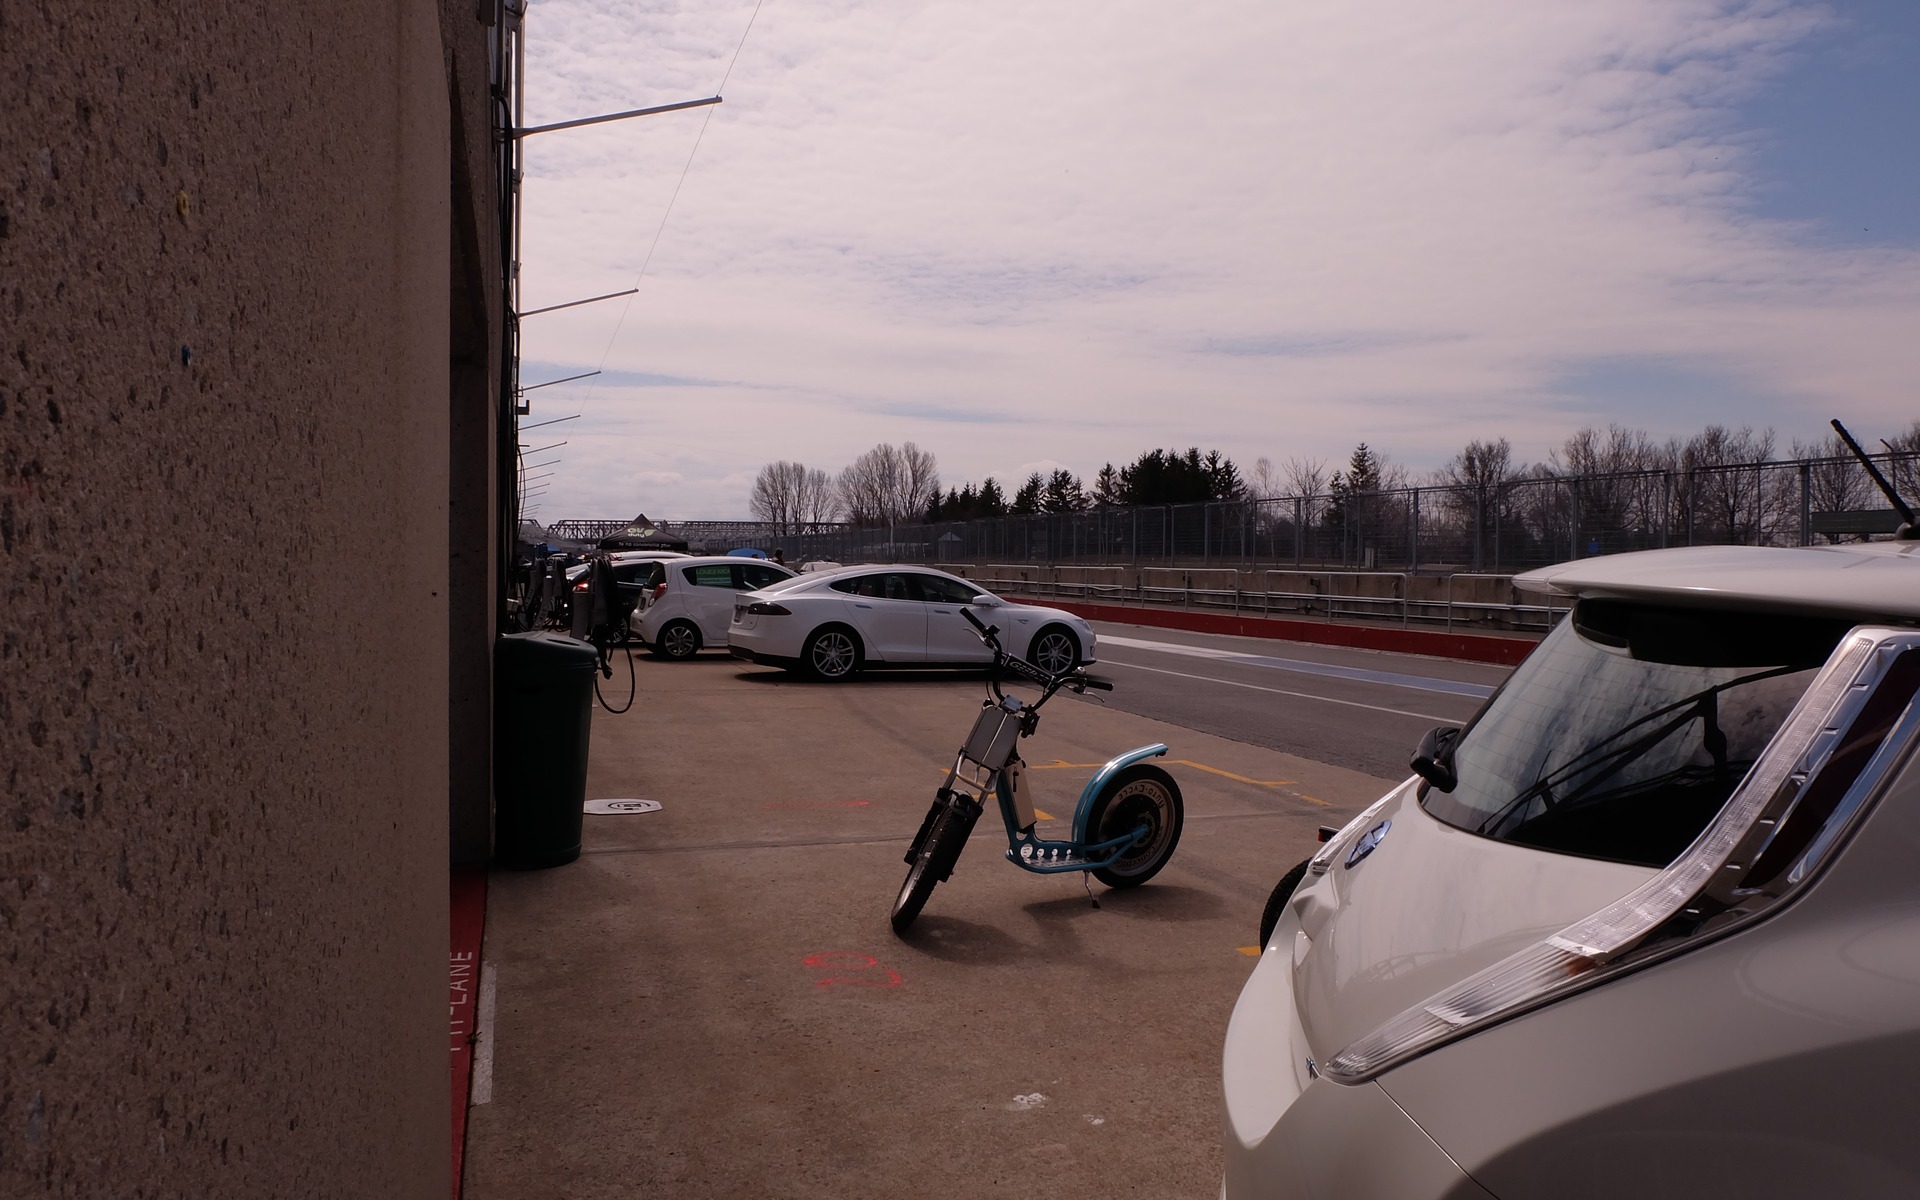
(467, 910)
(849, 960)
(816, 804)
(1475, 647)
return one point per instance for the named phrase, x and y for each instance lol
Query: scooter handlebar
(1096, 685)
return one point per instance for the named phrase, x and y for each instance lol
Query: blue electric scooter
(1124, 828)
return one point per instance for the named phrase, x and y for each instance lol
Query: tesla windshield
(1625, 732)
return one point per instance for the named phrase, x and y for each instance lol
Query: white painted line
(483, 1038)
(1419, 683)
(1254, 687)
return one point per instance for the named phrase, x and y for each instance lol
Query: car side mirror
(985, 601)
(1433, 761)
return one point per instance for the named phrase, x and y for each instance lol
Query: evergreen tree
(1107, 489)
(1064, 493)
(1026, 501)
(993, 501)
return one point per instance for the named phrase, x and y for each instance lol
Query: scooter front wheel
(1139, 795)
(933, 862)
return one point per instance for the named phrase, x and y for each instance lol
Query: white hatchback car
(832, 623)
(691, 606)
(1649, 926)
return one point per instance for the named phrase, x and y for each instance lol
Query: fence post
(1413, 539)
(1806, 504)
(1479, 528)
(1206, 534)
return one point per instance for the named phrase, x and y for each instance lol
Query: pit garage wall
(224, 666)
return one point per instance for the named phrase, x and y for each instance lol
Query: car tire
(1277, 903)
(1136, 793)
(832, 653)
(677, 641)
(1054, 650)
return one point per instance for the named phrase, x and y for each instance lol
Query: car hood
(1427, 906)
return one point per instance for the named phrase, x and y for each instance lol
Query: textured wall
(223, 371)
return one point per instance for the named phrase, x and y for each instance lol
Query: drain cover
(610, 808)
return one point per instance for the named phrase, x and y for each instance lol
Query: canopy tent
(643, 534)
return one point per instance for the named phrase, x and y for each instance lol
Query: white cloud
(1071, 232)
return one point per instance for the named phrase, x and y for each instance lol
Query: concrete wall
(224, 666)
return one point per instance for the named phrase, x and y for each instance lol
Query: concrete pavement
(710, 1002)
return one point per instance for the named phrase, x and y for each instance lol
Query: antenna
(1907, 532)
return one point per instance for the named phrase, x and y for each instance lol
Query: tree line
(1607, 470)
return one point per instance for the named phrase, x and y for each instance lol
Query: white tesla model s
(833, 623)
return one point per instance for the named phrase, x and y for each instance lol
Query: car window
(788, 581)
(892, 586)
(941, 590)
(759, 575)
(1628, 729)
(713, 575)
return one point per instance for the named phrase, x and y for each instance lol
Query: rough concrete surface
(223, 662)
(710, 1001)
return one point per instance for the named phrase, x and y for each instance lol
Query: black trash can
(542, 714)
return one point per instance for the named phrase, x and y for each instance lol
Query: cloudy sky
(1024, 235)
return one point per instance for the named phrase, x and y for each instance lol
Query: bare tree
(1477, 498)
(1904, 471)
(817, 501)
(776, 495)
(889, 484)
(1263, 480)
(1725, 496)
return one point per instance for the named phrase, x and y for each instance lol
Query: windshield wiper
(1607, 760)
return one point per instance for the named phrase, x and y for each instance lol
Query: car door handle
(945, 612)
(863, 605)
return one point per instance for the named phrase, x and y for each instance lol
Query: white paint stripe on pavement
(1401, 712)
(483, 1037)
(1422, 683)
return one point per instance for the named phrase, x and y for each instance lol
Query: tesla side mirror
(1433, 761)
(985, 601)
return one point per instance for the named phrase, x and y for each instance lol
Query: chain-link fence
(1498, 528)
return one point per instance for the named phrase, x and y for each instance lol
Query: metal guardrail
(1225, 589)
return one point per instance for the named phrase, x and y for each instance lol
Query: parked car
(637, 573)
(1648, 927)
(833, 623)
(692, 602)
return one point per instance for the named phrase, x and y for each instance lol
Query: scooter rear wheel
(1138, 795)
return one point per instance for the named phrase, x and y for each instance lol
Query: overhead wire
(674, 198)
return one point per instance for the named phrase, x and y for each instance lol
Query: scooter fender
(1092, 790)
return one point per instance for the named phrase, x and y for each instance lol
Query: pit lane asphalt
(710, 1003)
(1360, 709)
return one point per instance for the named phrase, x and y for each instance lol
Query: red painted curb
(467, 911)
(1474, 647)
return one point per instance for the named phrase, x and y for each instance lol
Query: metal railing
(1275, 592)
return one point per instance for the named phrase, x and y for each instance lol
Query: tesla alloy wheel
(833, 653)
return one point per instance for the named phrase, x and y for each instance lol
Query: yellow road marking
(1043, 814)
(1251, 951)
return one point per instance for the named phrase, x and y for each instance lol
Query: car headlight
(1782, 823)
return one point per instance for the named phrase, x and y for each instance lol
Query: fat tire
(946, 832)
(1124, 798)
(1277, 903)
